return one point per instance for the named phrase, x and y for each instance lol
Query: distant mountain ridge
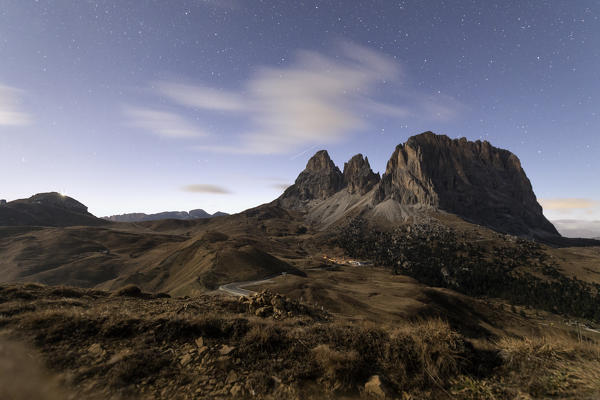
(47, 209)
(578, 228)
(184, 215)
(474, 180)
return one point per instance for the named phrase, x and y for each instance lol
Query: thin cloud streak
(162, 123)
(205, 188)
(10, 112)
(303, 152)
(201, 97)
(567, 204)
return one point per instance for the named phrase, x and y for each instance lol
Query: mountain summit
(320, 180)
(47, 209)
(358, 175)
(474, 180)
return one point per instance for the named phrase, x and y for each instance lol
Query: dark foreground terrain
(63, 342)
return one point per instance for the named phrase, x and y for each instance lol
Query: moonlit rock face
(358, 175)
(474, 180)
(320, 180)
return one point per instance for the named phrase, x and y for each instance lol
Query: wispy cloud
(567, 204)
(205, 188)
(314, 99)
(10, 108)
(162, 123)
(201, 97)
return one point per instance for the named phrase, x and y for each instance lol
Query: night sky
(174, 105)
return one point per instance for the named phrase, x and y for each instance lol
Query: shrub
(340, 368)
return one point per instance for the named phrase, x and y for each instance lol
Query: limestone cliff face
(404, 181)
(481, 183)
(320, 180)
(358, 176)
(474, 180)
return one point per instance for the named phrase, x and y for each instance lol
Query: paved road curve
(235, 288)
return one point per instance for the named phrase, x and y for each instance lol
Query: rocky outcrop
(403, 180)
(47, 209)
(474, 180)
(54, 199)
(481, 183)
(358, 175)
(268, 304)
(319, 180)
(322, 179)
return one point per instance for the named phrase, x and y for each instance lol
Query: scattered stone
(269, 304)
(232, 377)
(376, 389)
(96, 350)
(237, 390)
(264, 311)
(199, 342)
(225, 350)
(185, 360)
(119, 357)
(202, 350)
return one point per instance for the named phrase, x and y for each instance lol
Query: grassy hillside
(130, 344)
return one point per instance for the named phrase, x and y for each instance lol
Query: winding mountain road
(235, 288)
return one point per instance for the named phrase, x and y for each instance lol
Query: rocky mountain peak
(55, 199)
(47, 209)
(358, 175)
(473, 179)
(320, 162)
(319, 180)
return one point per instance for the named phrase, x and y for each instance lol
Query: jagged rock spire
(319, 180)
(358, 175)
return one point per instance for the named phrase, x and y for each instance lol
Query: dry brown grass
(552, 365)
(339, 368)
(145, 347)
(430, 347)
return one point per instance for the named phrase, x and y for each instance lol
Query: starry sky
(140, 105)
